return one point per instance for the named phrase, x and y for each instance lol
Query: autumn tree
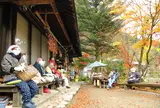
(142, 22)
(81, 62)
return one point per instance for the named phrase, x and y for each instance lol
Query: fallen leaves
(82, 100)
(148, 89)
(92, 97)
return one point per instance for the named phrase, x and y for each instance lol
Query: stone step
(58, 98)
(62, 98)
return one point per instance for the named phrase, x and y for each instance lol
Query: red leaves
(86, 55)
(126, 57)
(52, 44)
(83, 63)
(83, 99)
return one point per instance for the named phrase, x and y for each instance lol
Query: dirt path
(92, 97)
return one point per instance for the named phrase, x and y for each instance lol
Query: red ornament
(52, 44)
(85, 55)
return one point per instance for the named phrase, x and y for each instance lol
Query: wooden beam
(60, 20)
(31, 2)
(47, 12)
(51, 13)
(41, 19)
(4, 0)
(48, 28)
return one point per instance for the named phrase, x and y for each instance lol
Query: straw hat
(133, 69)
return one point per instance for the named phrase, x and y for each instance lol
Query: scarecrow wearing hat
(134, 76)
(13, 62)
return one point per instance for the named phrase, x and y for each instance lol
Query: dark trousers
(57, 82)
(133, 81)
(28, 90)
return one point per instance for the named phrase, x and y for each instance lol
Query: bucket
(3, 102)
(76, 78)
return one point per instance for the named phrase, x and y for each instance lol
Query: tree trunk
(140, 60)
(148, 51)
(97, 55)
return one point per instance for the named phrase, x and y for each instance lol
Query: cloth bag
(38, 79)
(14, 82)
(8, 78)
(28, 73)
(48, 79)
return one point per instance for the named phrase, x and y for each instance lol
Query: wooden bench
(41, 86)
(16, 94)
(152, 85)
(103, 81)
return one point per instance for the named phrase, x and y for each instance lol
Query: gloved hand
(19, 68)
(43, 80)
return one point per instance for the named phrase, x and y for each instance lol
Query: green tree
(97, 26)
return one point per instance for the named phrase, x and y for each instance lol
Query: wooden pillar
(40, 90)
(13, 22)
(16, 99)
(7, 27)
(29, 43)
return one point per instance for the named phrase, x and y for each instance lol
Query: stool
(104, 83)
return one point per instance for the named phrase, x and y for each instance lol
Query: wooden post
(16, 99)
(53, 86)
(40, 90)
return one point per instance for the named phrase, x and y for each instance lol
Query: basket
(29, 72)
(3, 102)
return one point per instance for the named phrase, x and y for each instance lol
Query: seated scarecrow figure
(48, 70)
(40, 66)
(13, 62)
(113, 77)
(64, 77)
(53, 67)
(134, 76)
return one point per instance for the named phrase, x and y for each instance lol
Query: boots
(28, 105)
(46, 90)
(68, 87)
(33, 104)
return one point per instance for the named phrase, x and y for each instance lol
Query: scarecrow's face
(51, 65)
(16, 51)
(133, 69)
(42, 62)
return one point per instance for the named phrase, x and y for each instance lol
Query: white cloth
(19, 68)
(66, 82)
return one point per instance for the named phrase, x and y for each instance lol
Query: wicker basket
(29, 72)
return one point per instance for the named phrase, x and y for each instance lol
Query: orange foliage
(83, 63)
(82, 100)
(125, 56)
(52, 44)
(145, 42)
(86, 55)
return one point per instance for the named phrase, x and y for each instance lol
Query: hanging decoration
(66, 60)
(60, 53)
(52, 44)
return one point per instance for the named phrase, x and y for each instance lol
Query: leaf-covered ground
(92, 97)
